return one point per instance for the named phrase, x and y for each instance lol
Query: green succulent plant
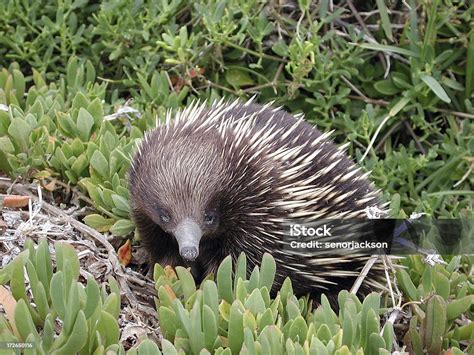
(237, 313)
(86, 314)
(439, 296)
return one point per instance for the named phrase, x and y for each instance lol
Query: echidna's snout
(188, 234)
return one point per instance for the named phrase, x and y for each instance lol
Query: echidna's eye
(164, 216)
(209, 218)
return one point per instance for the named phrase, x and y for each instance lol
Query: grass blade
(470, 66)
(390, 49)
(386, 25)
(430, 34)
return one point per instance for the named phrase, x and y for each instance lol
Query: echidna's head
(176, 182)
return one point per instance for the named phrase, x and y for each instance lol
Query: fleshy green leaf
(435, 87)
(224, 280)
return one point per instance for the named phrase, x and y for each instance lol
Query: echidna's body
(224, 179)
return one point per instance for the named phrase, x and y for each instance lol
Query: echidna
(224, 179)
